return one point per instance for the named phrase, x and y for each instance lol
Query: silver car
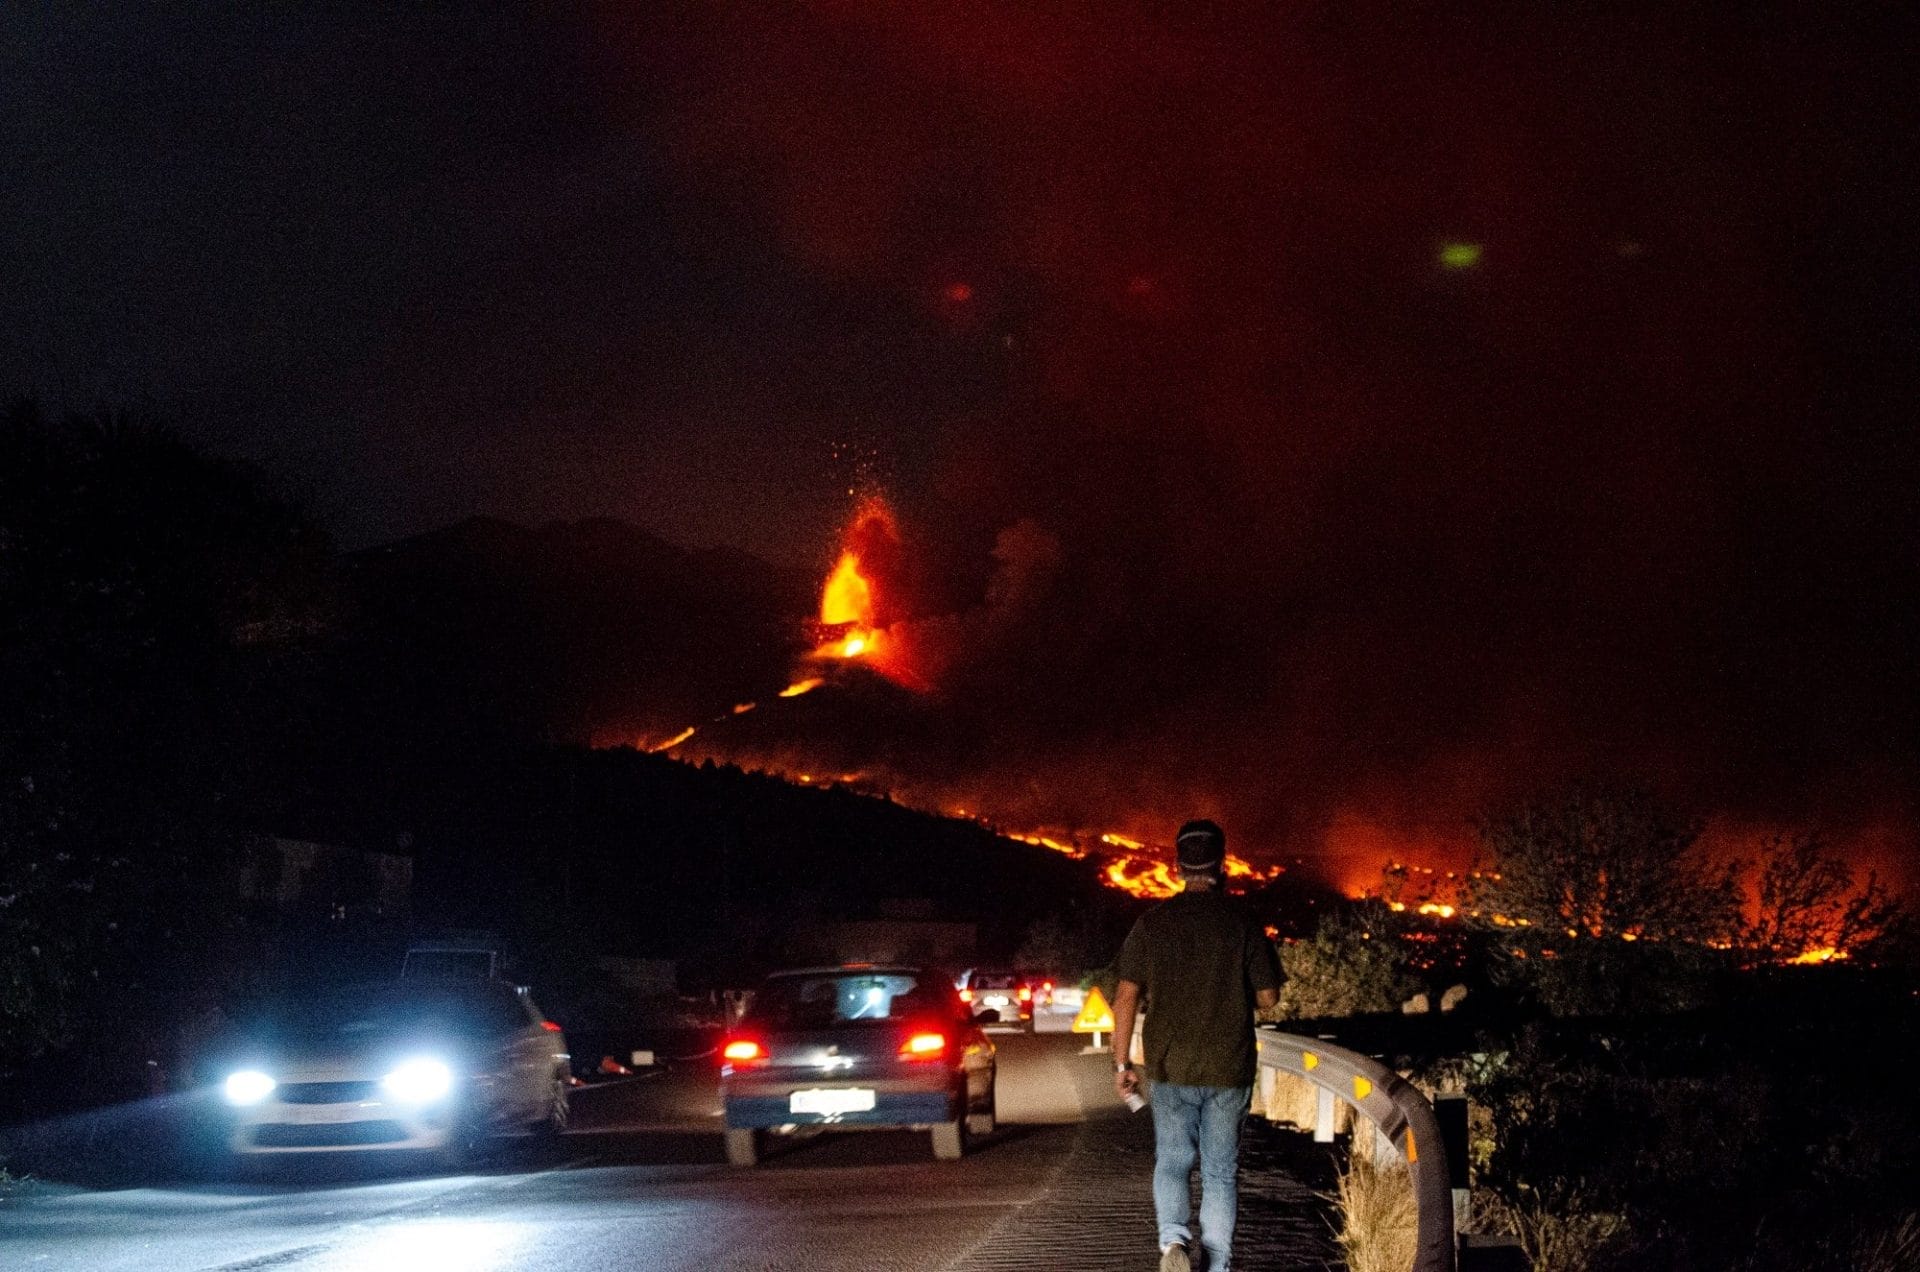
(434, 1065)
(856, 1047)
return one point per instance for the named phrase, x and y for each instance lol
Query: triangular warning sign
(1095, 1016)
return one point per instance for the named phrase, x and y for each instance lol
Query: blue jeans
(1190, 1121)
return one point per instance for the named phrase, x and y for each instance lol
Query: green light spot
(1459, 255)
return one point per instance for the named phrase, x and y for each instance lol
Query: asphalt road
(639, 1183)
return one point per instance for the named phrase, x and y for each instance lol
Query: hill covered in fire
(875, 672)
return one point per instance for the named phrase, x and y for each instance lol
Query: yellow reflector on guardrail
(1309, 1060)
(1361, 1088)
(1413, 1152)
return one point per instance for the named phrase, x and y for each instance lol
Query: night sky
(1324, 415)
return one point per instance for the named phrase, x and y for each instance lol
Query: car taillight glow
(924, 1046)
(1026, 994)
(550, 1026)
(744, 1051)
(966, 995)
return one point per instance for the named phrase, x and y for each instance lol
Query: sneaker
(1174, 1258)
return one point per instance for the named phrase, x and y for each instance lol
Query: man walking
(1204, 965)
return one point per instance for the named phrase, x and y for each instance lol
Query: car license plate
(998, 1000)
(838, 1100)
(320, 1114)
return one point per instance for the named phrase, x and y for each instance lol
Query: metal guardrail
(1401, 1114)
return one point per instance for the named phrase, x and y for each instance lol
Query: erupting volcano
(850, 626)
(862, 627)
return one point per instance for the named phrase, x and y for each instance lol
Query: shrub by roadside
(1379, 1220)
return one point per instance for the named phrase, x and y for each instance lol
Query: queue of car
(449, 1056)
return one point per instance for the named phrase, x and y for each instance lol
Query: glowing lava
(1134, 868)
(846, 609)
(854, 605)
(1826, 954)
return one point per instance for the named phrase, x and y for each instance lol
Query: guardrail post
(1451, 1112)
(1401, 1120)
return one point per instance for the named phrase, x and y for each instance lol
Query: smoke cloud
(1387, 415)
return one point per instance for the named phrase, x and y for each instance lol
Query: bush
(1379, 1218)
(1567, 1236)
(1600, 977)
(1350, 966)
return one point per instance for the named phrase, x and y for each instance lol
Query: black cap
(1202, 846)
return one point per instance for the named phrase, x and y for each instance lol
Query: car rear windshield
(822, 1000)
(995, 980)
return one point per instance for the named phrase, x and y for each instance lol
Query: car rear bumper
(896, 1102)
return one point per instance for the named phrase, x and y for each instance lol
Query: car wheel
(743, 1148)
(950, 1139)
(982, 1124)
(554, 1121)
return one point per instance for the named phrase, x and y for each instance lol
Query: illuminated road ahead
(614, 1196)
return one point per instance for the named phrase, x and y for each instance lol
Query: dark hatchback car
(857, 1047)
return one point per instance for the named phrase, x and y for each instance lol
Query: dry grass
(1379, 1219)
(1567, 1237)
(1891, 1249)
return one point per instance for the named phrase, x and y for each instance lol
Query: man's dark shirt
(1198, 959)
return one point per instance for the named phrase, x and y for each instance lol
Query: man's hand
(1266, 1006)
(1126, 1008)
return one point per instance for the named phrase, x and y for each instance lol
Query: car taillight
(744, 1051)
(966, 995)
(550, 1026)
(924, 1046)
(1026, 994)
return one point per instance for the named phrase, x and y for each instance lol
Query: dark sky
(1389, 405)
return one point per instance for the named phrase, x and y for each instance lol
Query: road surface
(641, 1184)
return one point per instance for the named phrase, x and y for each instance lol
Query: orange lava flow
(1143, 877)
(1135, 868)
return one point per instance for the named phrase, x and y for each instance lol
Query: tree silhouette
(153, 603)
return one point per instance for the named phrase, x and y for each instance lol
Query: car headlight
(418, 1081)
(248, 1086)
